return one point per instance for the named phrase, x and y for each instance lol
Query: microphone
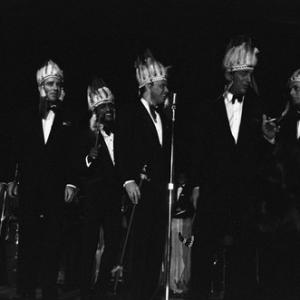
(174, 99)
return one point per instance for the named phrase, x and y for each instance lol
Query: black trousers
(147, 243)
(100, 210)
(239, 256)
(38, 253)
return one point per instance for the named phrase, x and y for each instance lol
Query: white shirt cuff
(71, 185)
(87, 162)
(128, 181)
(271, 141)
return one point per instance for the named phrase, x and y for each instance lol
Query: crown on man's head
(98, 93)
(240, 55)
(49, 70)
(149, 69)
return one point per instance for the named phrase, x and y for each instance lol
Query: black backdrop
(104, 37)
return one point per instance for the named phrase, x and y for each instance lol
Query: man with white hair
(231, 143)
(102, 190)
(46, 181)
(286, 260)
(143, 143)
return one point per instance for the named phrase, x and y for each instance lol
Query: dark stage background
(104, 37)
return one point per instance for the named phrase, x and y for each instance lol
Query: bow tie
(297, 114)
(108, 130)
(237, 98)
(46, 109)
(153, 111)
(53, 108)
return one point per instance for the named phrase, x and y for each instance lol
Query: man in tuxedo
(287, 208)
(42, 144)
(102, 189)
(143, 142)
(232, 140)
(287, 140)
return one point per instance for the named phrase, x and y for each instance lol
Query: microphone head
(174, 99)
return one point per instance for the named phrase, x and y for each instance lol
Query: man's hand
(12, 189)
(269, 128)
(70, 193)
(94, 153)
(133, 191)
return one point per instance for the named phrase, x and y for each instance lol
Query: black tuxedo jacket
(5, 147)
(138, 145)
(288, 151)
(229, 172)
(100, 178)
(288, 129)
(43, 169)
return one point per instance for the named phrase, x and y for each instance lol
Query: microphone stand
(170, 202)
(3, 212)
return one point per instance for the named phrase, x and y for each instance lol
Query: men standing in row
(231, 145)
(143, 142)
(42, 144)
(102, 190)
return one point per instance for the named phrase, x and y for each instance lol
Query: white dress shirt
(109, 141)
(298, 129)
(47, 125)
(157, 123)
(234, 114)
(179, 191)
(158, 126)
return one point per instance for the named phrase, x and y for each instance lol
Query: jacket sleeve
(126, 156)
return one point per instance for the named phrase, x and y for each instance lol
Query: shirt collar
(104, 134)
(229, 96)
(146, 103)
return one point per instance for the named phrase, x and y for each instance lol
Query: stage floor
(7, 293)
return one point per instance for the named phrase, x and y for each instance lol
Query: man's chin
(108, 121)
(296, 102)
(52, 99)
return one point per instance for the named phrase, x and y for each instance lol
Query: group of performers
(121, 159)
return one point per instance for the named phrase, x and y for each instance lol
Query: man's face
(52, 88)
(105, 112)
(158, 91)
(295, 93)
(241, 81)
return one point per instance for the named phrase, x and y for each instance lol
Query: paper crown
(98, 93)
(240, 57)
(49, 70)
(295, 77)
(149, 70)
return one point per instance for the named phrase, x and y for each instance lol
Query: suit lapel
(244, 125)
(54, 129)
(38, 128)
(105, 150)
(151, 127)
(292, 126)
(104, 155)
(250, 121)
(222, 119)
